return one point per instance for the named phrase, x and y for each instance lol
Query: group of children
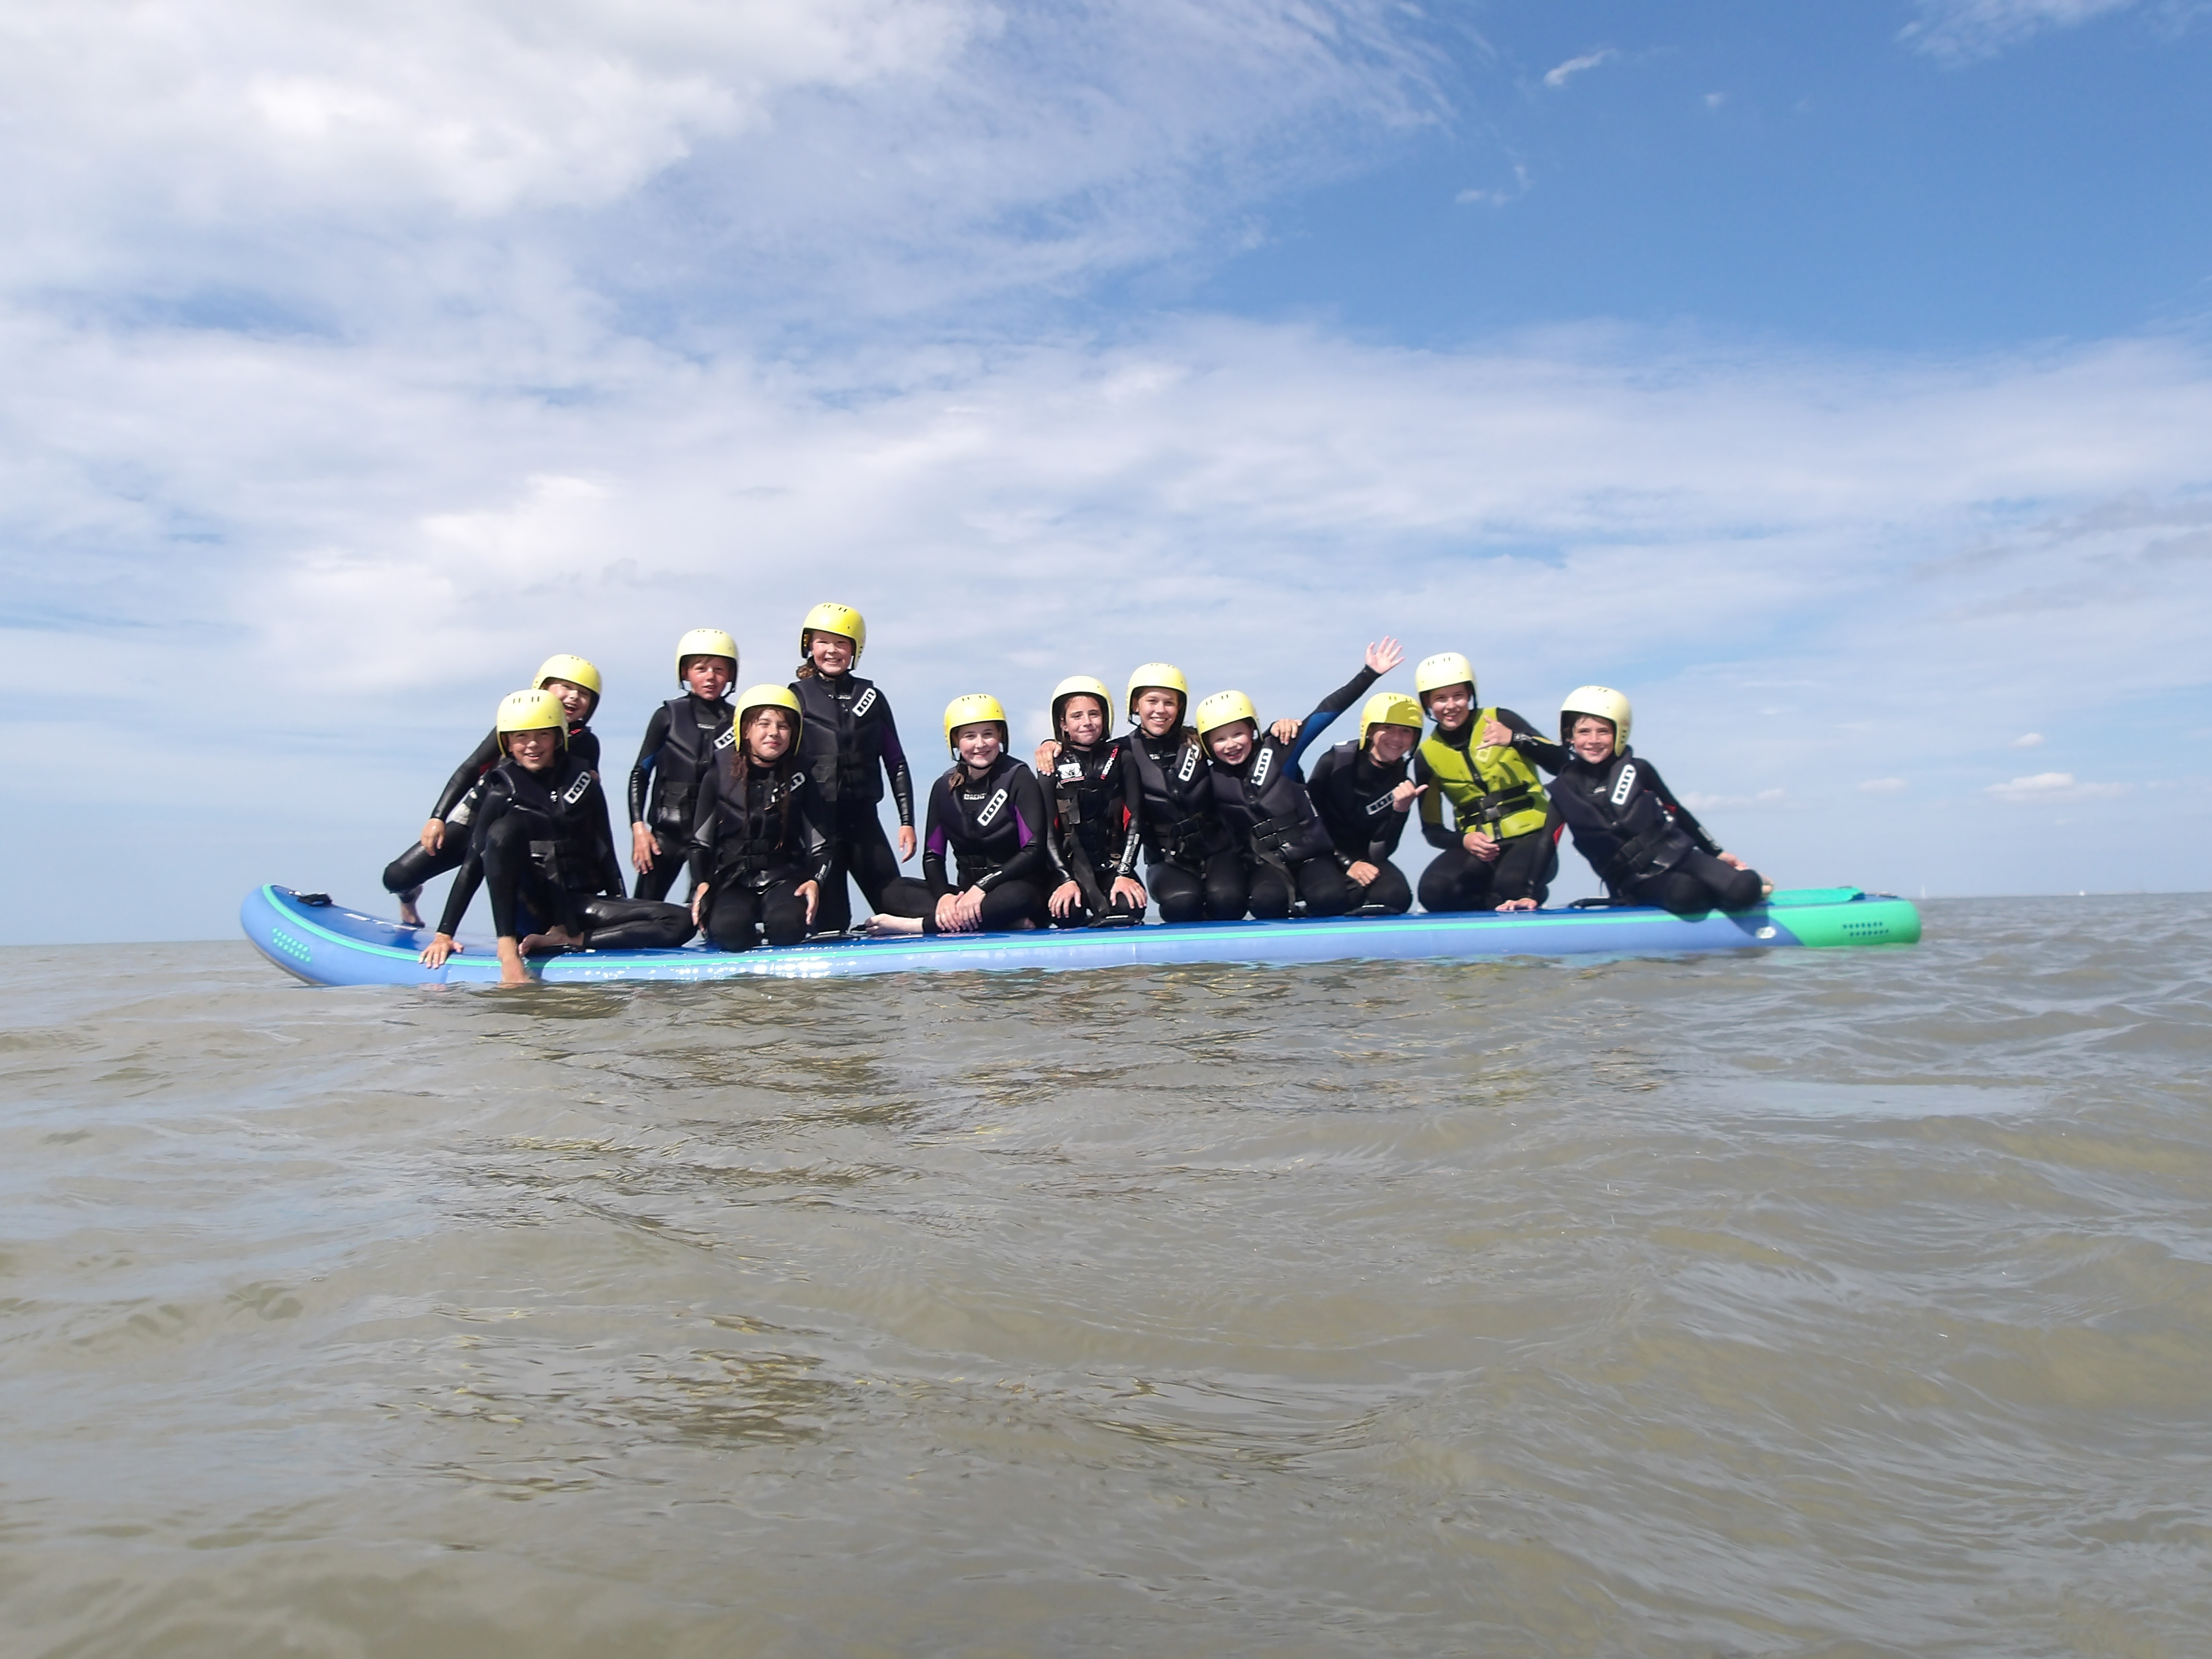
(772, 798)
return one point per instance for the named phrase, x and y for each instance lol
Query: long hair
(737, 769)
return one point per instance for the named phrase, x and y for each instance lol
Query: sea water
(1834, 1303)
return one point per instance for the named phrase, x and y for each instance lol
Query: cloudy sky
(1836, 380)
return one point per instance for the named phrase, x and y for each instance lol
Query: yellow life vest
(1494, 790)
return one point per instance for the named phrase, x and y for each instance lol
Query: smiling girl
(759, 850)
(989, 814)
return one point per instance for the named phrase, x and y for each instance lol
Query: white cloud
(1559, 75)
(1882, 786)
(308, 162)
(477, 106)
(1501, 197)
(1960, 31)
(2052, 788)
(2028, 740)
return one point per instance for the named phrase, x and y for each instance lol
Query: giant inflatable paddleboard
(326, 943)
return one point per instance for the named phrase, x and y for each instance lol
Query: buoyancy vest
(1619, 823)
(1492, 789)
(1358, 800)
(1088, 816)
(699, 732)
(1180, 825)
(987, 822)
(764, 829)
(843, 740)
(564, 818)
(1266, 808)
(456, 802)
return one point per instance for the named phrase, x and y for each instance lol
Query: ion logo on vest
(990, 809)
(1189, 767)
(1261, 767)
(729, 736)
(867, 701)
(1628, 781)
(577, 790)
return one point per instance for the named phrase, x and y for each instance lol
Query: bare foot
(551, 942)
(409, 915)
(882, 927)
(511, 970)
(1767, 890)
(1518, 904)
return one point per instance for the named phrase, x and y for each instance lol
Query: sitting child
(1642, 841)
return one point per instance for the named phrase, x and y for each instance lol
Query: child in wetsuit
(1502, 850)
(1092, 801)
(987, 813)
(444, 842)
(759, 853)
(539, 841)
(685, 738)
(1643, 843)
(850, 747)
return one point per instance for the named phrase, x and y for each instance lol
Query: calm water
(1829, 1303)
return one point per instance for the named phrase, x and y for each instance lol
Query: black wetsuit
(994, 827)
(455, 805)
(850, 743)
(1525, 866)
(1191, 869)
(685, 736)
(1644, 843)
(1357, 798)
(1092, 801)
(539, 841)
(754, 843)
(1284, 851)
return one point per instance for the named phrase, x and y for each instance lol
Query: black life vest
(564, 818)
(1356, 799)
(1090, 819)
(984, 821)
(1267, 809)
(1619, 824)
(843, 737)
(698, 733)
(1181, 825)
(766, 834)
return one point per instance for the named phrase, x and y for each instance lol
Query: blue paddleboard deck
(326, 943)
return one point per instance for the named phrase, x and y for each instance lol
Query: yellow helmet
(1388, 708)
(575, 670)
(974, 709)
(1163, 675)
(534, 710)
(1603, 701)
(1080, 685)
(1446, 668)
(834, 618)
(771, 696)
(1224, 708)
(705, 642)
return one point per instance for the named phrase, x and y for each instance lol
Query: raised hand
(1385, 655)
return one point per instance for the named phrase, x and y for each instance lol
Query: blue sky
(1834, 379)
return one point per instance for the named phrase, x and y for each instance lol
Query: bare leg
(884, 927)
(511, 970)
(409, 915)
